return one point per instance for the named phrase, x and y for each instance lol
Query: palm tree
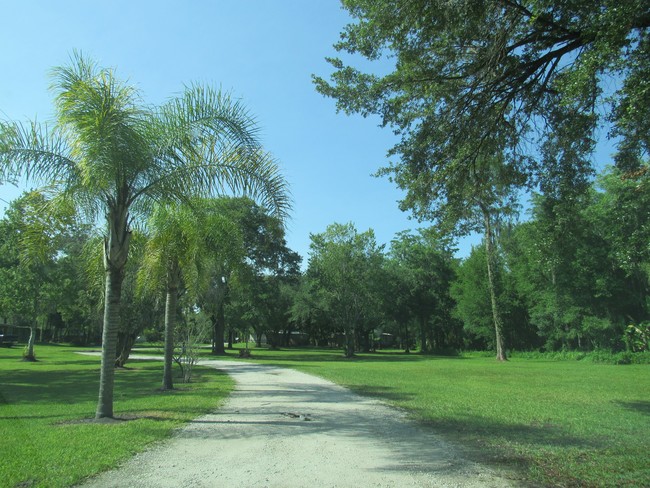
(114, 156)
(183, 242)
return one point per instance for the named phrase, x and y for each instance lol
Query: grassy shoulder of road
(564, 423)
(46, 407)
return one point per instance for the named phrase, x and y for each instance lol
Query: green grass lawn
(46, 438)
(566, 423)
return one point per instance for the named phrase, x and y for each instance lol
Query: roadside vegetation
(48, 436)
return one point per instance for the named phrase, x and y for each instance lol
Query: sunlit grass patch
(566, 423)
(46, 408)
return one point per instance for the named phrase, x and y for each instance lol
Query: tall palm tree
(114, 156)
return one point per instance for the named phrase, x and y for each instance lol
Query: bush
(637, 337)
(153, 335)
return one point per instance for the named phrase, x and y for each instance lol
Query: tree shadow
(640, 406)
(383, 393)
(61, 384)
(292, 355)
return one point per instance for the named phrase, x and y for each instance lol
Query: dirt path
(282, 428)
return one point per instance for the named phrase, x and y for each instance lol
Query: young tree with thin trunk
(179, 252)
(112, 155)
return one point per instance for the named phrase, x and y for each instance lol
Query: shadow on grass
(638, 406)
(7, 354)
(290, 355)
(470, 428)
(383, 393)
(61, 385)
(540, 434)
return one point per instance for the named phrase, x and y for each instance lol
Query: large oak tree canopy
(532, 80)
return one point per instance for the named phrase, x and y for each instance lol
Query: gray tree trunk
(109, 343)
(29, 353)
(116, 250)
(219, 329)
(349, 342)
(406, 345)
(496, 313)
(423, 334)
(219, 317)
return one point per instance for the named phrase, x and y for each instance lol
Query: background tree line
(574, 275)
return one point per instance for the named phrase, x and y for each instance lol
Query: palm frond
(220, 170)
(104, 120)
(37, 152)
(201, 114)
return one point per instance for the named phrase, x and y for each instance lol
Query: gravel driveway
(283, 428)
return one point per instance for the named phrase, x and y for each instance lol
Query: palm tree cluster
(110, 155)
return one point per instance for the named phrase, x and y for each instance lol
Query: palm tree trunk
(170, 323)
(496, 313)
(109, 342)
(116, 251)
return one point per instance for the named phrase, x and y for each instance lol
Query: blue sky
(262, 51)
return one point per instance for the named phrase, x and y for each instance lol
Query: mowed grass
(563, 423)
(46, 436)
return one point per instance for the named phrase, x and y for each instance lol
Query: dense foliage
(489, 98)
(574, 279)
(108, 154)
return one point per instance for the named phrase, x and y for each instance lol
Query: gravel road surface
(283, 428)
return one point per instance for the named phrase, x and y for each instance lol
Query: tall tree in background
(346, 267)
(112, 155)
(426, 270)
(29, 246)
(261, 250)
(309, 311)
(478, 87)
(396, 302)
(620, 212)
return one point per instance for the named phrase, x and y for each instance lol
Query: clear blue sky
(262, 51)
